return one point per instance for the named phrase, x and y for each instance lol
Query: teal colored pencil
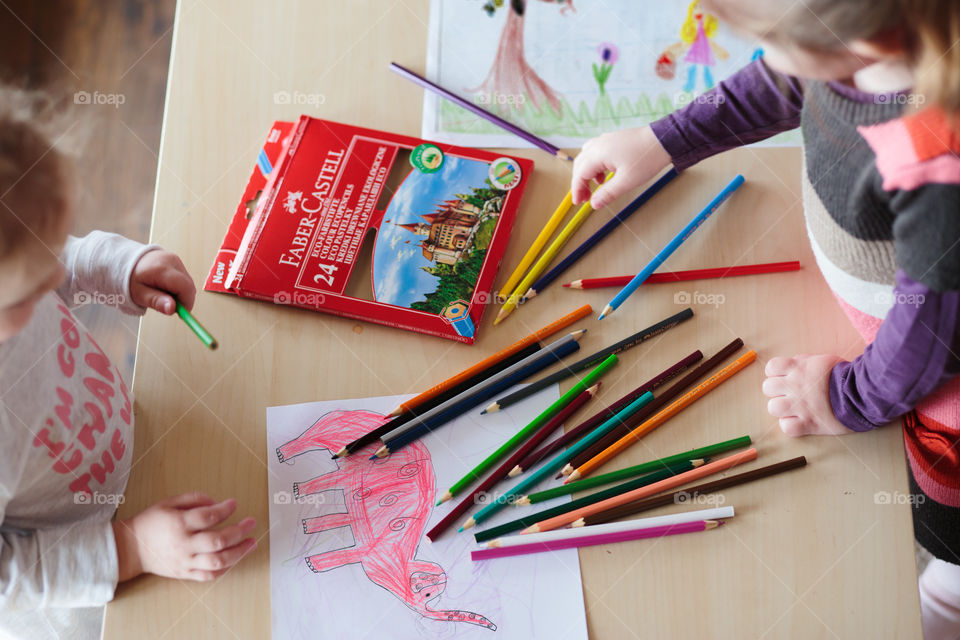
(636, 470)
(588, 381)
(558, 461)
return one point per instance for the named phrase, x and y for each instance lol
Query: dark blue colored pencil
(600, 234)
(472, 401)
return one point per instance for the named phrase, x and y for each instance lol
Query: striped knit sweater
(882, 203)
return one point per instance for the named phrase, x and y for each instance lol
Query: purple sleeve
(751, 105)
(914, 353)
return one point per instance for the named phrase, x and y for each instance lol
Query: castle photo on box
(434, 236)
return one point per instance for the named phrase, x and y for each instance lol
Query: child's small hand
(634, 155)
(177, 538)
(159, 277)
(799, 395)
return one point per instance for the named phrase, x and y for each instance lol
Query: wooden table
(810, 554)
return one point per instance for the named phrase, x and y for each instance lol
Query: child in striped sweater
(874, 86)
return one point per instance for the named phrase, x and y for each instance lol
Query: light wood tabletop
(821, 552)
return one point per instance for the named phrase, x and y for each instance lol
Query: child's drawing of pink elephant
(388, 503)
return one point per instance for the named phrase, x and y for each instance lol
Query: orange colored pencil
(519, 345)
(651, 489)
(664, 414)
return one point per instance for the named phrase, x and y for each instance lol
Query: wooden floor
(116, 52)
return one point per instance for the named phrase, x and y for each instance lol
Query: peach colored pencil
(663, 415)
(669, 483)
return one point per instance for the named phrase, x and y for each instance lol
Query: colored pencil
(669, 483)
(592, 540)
(543, 418)
(600, 234)
(556, 462)
(490, 361)
(568, 370)
(668, 250)
(547, 354)
(574, 485)
(471, 107)
(544, 260)
(552, 223)
(196, 327)
(410, 414)
(664, 397)
(605, 414)
(667, 412)
(715, 513)
(501, 472)
(471, 400)
(657, 473)
(689, 494)
(690, 274)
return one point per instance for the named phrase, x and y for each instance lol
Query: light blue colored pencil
(562, 458)
(665, 253)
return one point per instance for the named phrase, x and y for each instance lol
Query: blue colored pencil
(666, 252)
(600, 234)
(522, 488)
(481, 396)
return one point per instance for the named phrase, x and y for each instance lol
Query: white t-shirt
(66, 441)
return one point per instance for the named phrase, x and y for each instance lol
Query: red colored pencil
(604, 414)
(692, 274)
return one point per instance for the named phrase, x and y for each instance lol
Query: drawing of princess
(696, 40)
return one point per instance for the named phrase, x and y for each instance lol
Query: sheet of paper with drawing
(569, 70)
(348, 554)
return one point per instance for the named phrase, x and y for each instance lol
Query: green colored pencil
(196, 327)
(571, 484)
(555, 463)
(567, 507)
(588, 381)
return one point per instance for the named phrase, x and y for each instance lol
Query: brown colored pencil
(663, 398)
(605, 414)
(689, 494)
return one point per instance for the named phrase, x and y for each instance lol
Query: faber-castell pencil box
(373, 226)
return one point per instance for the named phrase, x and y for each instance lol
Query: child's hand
(159, 277)
(799, 395)
(176, 538)
(634, 155)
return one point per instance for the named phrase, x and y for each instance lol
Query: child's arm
(751, 105)
(917, 346)
(109, 269)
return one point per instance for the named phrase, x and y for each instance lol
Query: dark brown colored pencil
(660, 401)
(605, 414)
(689, 494)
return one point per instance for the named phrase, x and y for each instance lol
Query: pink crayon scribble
(388, 504)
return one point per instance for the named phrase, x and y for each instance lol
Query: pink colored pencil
(589, 540)
(691, 274)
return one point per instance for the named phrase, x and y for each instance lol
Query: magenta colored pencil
(486, 115)
(590, 540)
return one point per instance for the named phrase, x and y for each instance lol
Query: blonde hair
(36, 178)
(926, 29)
(688, 32)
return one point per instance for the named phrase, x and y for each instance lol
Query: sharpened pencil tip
(469, 524)
(446, 496)
(339, 454)
(607, 310)
(531, 293)
(483, 412)
(566, 284)
(564, 155)
(515, 472)
(534, 528)
(567, 470)
(492, 408)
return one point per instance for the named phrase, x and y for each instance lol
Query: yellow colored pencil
(548, 256)
(537, 245)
